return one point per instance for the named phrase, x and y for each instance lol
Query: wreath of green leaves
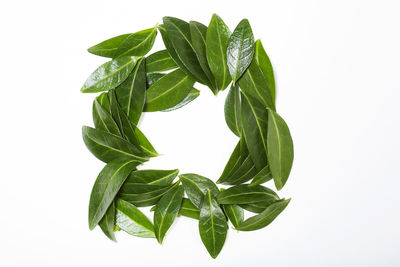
(163, 81)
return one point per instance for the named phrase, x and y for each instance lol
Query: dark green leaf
(137, 44)
(233, 163)
(108, 221)
(107, 147)
(154, 177)
(109, 75)
(193, 94)
(131, 93)
(104, 101)
(103, 120)
(262, 176)
(160, 61)
(253, 83)
(217, 39)
(280, 149)
(198, 34)
(178, 32)
(265, 65)
(234, 213)
(152, 78)
(243, 194)
(188, 209)
(258, 207)
(244, 173)
(264, 218)
(139, 188)
(255, 125)
(131, 220)
(147, 199)
(195, 187)
(166, 211)
(169, 91)
(106, 187)
(232, 110)
(108, 47)
(212, 225)
(240, 50)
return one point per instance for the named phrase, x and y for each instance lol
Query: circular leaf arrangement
(132, 83)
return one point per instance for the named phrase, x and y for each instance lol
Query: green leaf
(166, 211)
(264, 218)
(108, 47)
(217, 39)
(255, 125)
(109, 75)
(178, 32)
(146, 199)
(280, 149)
(107, 147)
(243, 194)
(131, 220)
(198, 32)
(253, 83)
(104, 101)
(258, 207)
(103, 120)
(265, 65)
(160, 61)
(140, 188)
(240, 50)
(195, 187)
(154, 177)
(232, 110)
(262, 176)
(108, 221)
(193, 94)
(188, 209)
(244, 173)
(212, 225)
(137, 44)
(152, 78)
(132, 92)
(169, 91)
(106, 187)
(234, 213)
(233, 163)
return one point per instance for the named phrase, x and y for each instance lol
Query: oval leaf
(103, 120)
(107, 223)
(131, 220)
(258, 207)
(212, 225)
(109, 75)
(166, 211)
(160, 61)
(232, 110)
(152, 78)
(169, 91)
(234, 213)
(188, 209)
(106, 187)
(243, 194)
(196, 186)
(193, 94)
(244, 173)
(217, 39)
(280, 149)
(240, 50)
(137, 44)
(265, 65)
(264, 218)
(262, 176)
(108, 47)
(154, 177)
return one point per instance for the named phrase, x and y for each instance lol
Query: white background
(337, 67)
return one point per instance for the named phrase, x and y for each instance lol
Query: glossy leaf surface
(232, 110)
(243, 194)
(240, 50)
(137, 44)
(245, 172)
(107, 186)
(109, 75)
(188, 209)
(178, 32)
(258, 207)
(152, 78)
(107, 223)
(213, 226)
(264, 218)
(132, 92)
(160, 61)
(108, 47)
(234, 213)
(262, 176)
(103, 120)
(233, 161)
(154, 177)
(107, 147)
(217, 39)
(169, 91)
(166, 211)
(193, 94)
(265, 65)
(196, 186)
(280, 149)
(131, 220)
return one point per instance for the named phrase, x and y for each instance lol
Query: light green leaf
(108, 47)
(137, 44)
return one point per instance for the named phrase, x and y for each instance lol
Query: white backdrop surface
(337, 70)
